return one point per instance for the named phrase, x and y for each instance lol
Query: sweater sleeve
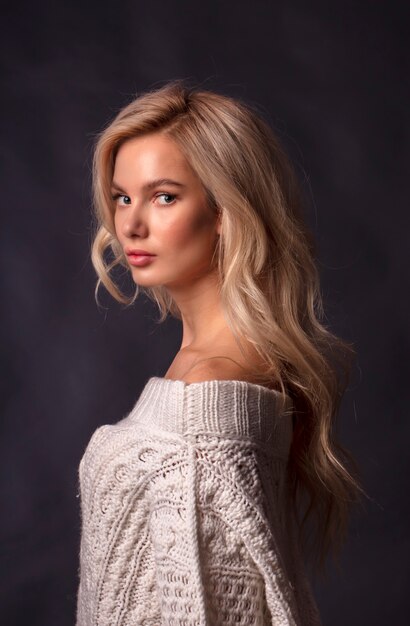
(215, 543)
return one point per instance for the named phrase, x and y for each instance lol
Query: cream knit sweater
(185, 514)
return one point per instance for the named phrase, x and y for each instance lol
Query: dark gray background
(332, 79)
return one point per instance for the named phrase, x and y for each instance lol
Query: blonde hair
(269, 280)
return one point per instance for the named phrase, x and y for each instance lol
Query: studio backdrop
(332, 79)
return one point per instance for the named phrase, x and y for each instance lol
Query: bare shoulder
(226, 362)
(216, 368)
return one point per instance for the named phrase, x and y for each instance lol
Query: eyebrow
(153, 183)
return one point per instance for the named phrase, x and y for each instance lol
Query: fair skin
(174, 222)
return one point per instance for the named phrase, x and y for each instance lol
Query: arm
(216, 556)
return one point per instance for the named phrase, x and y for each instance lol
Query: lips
(138, 257)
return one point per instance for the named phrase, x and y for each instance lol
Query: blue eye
(168, 197)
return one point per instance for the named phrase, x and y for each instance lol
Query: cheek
(116, 222)
(189, 231)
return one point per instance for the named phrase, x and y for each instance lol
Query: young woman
(195, 505)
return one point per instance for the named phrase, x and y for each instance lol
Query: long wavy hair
(270, 289)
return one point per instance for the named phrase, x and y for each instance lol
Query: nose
(134, 222)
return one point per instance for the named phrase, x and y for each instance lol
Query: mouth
(140, 259)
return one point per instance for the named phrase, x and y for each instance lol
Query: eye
(122, 200)
(166, 198)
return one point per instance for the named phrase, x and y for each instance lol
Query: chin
(144, 281)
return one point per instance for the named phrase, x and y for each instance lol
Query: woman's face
(160, 207)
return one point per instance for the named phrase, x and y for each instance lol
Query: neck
(201, 311)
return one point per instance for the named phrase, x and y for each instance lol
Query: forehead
(153, 153)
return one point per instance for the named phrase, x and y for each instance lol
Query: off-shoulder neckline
(223, 381)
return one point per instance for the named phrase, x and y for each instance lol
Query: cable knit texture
(186, 519)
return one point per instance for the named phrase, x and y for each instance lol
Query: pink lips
(139, 258)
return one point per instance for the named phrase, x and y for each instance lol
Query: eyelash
(116, 197)
(170, 195)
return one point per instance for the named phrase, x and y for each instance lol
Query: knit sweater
(185, 512)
